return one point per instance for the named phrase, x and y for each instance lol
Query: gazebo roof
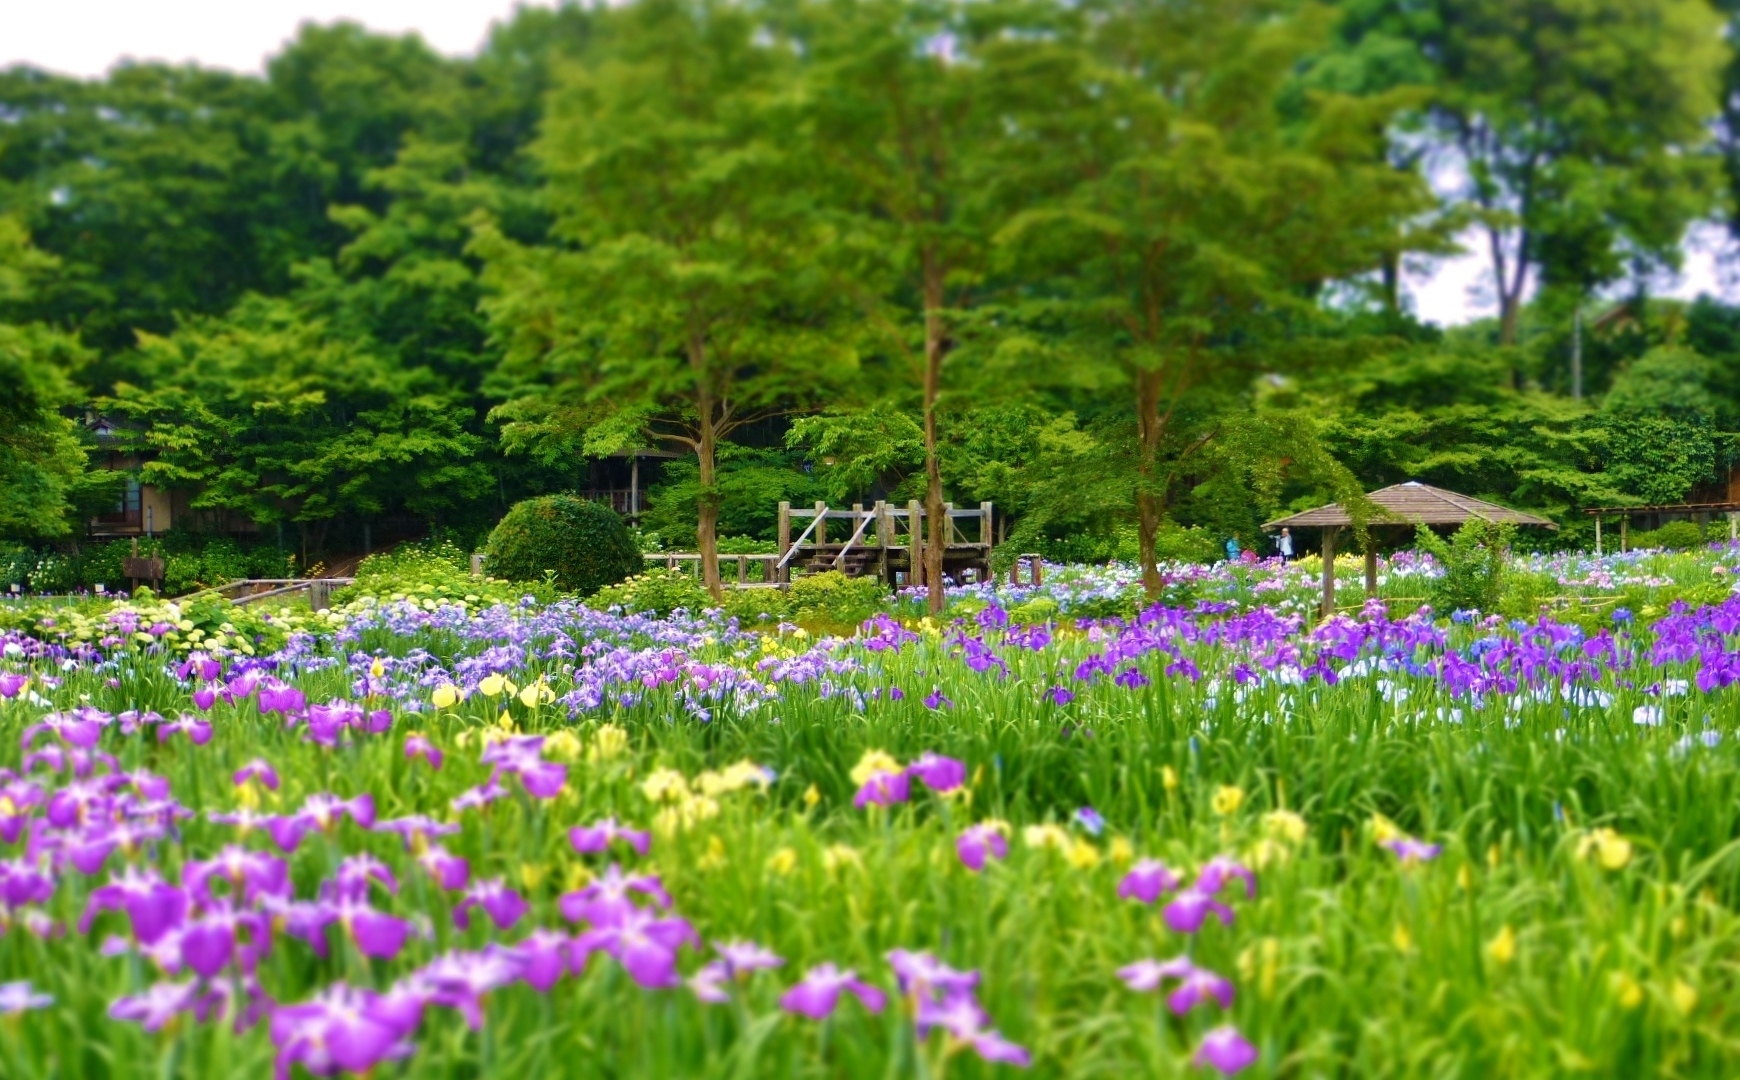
(1415, 503)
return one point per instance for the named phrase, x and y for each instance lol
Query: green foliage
(1673, 536)
(433, 570)
(585, 545)
(749, 486)
(1474, 561)
(833, 599)
(656, 592)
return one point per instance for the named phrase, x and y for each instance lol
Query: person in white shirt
(1284, 543)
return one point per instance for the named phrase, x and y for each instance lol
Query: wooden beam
(784, 574)
(1370, 570)
(915, 537)
(1598, 532)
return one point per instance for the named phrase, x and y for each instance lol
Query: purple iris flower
(419, 746)
(883, 789)
(158, 1005)
(1220, 870)
(461, 980)
(1131, 678)
(415, 829)
(1198, 986)
(937, 772)
(503, 905)
(80, 728)
(205, 697)
(1060, 695)
(606, 901)
(1223, 1048)
(17, 997)
(197, 730)
(978, 841)
(645, 944)
(1187, 911)
(258, 769)
(341, 1028)
(544, 957)
(963, 1018)
(478, 797)
(743, 957)
(597, 837)
(448, 870)
(936, 700)
(1145, 976)
(1147, 881)
(1091, 820)
(222, 934)
(252, 874)
(22, 882)
(523, 756)
(11, 684)
(153, 906)
(818, 994)
(922, 975)
(277, 697)
(1410, 850)
(356, 872)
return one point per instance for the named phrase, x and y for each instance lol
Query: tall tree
(679, 301)
(1190, 217)
(1574, 132)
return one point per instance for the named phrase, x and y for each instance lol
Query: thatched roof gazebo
(1410, 504)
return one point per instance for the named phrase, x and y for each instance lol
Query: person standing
(1232, 549)
(1284, 544)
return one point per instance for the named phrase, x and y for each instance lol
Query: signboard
(142, 569)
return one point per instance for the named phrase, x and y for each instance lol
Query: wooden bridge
(883, 540)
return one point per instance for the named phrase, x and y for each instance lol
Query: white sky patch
(87, 37)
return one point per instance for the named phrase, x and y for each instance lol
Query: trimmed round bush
(585, 544)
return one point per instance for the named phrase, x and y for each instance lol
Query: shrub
(656, 592)
(1474, 565)
(1674, 536)
(585, 545)
(832, 597)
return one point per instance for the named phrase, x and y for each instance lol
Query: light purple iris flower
(448, 870)
(205, 697)
(737, 961)
(222, 934)
(278, 697)
(1410, 850)
(883, 789)
(153, 906)
(979, 841)
(1090, 820)
(461, 980)
(17, 997)
(258, 769)
(419, 746)
(644, 943)
(158, 1005)
(416, 830)
(1060, 695)
(606, 901)
(963, 1018)
(1223, 1048)
(252, 874)
(937, 772)
(1147, 881)
(1198, 986)
(818, 994)
(936, 700)
(1187, 911)
(921, 974)
(544, 957)
(478, 797)
(11, 683)
(503, 905)
(341, 1028)
(597, 837)
(1146, 976)
(523, 756)
(23, 882)
(197, 730)
(356, 872)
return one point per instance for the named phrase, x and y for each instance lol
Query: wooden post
(477, 564)
(915, 537)
(1370, 570)
(784, 574)
(1624, 530)
(1733, 526)
(634, 485)
(1328, 571)
(821, 523)
(1598, 532)
(319, 594)
(986, 535)
(1038, 562)
(742, 569)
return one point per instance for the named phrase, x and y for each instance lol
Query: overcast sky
(85, 37)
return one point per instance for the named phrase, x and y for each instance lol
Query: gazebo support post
(1328, 571)
(1624, 540)
(1370, 569)
(1598, 534)
(1733, 526)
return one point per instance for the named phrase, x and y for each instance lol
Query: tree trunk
(937, 543)
(1149, 505)
(707, 504)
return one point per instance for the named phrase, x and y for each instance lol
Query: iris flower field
(440, 837)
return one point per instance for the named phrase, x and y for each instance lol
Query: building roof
(1415, 503)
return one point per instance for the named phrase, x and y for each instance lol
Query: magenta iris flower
(523, 756)
(448, 870)
(356, 872)
(478, 797)
(197, 730)
(341, 1028)
(644, 943)
(205, 697)
(1147, 881)
(258, 769)
(544, 957)
(1187, 911)
(158, 1005)
(1220, 870)
(936, 700)
(250, 875)
(978, 842)
(597, 837)
(818, 994)
(1198, 986)
(461, 980)
(222, 934)
(1146, 976)
(277, 697)
(937, 772)
(921, 974)
(1223, 1048)
(23, 882)
(153, 906)
(606, 901)
(419, 746)
(416, 830)
(503, 905)
(883, 789)
(11, 683)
